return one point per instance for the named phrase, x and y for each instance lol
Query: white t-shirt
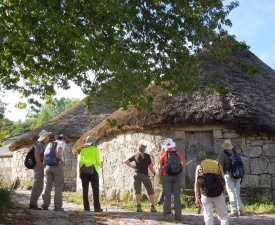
(61, 144)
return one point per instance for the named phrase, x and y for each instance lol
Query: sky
(253, 22)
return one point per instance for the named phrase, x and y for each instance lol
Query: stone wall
(257, 151)
(5, 171)
(25, 176)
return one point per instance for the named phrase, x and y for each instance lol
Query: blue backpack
(236, 167)
(50, 158)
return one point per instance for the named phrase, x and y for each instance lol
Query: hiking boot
(45, 207)
(240, 212)
(98, 210)
(153, 209)
(234, 214)
(34, 207)
(167, 216)
(139, 208)
(58, 209)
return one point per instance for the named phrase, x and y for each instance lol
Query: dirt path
(74, 214)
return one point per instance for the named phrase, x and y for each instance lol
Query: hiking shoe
(45, 207)
(139, 208)
(98, 210)
(234, 214)
(34, 207)
(167, 216)
(240, 212)
(58, 209)
(153, 209)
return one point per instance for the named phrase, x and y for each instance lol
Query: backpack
(172, 165)
(50, 158)
(236, 167)
(210, 179)
(30, 158)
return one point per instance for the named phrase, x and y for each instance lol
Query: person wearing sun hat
(143, 162)
(233, 186)
(170, 184)
(210, 156)
(38, 183)
(89, 156)
(54, 175)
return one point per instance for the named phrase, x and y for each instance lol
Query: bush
(5, 201)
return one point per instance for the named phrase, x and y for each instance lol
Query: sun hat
(227, 144)
(43, 134)
(169, 143)
(209, 153)
(90, 140)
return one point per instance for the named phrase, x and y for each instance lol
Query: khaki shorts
(140, 178)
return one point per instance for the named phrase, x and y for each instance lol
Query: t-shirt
(162, 158)
(142, 160)
(39, 149)
(61, 144)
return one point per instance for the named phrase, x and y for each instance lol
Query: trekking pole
(104, 193)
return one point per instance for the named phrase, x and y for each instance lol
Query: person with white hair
(233, 186)
(38, 183)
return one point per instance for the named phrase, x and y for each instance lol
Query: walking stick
(104, 193)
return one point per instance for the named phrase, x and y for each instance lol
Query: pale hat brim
(90, 140)
(43, 134)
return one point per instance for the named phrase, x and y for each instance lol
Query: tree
(127, 44)
(50, 110)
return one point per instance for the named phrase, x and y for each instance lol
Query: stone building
(6, 161)
(73, 123)
(246, 116)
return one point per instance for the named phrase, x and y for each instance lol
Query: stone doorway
(195, 143)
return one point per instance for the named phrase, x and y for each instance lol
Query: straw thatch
(72, 122)
(249, 107)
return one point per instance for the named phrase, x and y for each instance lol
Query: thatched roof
(72, 122)
(250, 106)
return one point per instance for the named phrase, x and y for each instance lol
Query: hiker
(171, 180)
(209, 192)
(38, 183)
(54, 173)
(142, 162)
(88, 165)
(233, 186)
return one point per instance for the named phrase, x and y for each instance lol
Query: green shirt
(90, 155)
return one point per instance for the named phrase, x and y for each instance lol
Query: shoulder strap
(227, 153)
(234, 151)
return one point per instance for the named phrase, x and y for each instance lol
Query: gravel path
(74, 214)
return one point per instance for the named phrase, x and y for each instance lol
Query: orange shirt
(162, 158)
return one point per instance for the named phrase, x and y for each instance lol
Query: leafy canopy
(127, 44)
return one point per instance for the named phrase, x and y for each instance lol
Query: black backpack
(30, 158)
(210, 179)
(236, 167)
(172, 164)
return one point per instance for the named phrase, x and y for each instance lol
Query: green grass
(5, 201)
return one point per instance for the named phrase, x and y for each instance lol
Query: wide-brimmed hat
(227, 144)
(209, 153)
(43, 134)
(90, 140)
(169, 143)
